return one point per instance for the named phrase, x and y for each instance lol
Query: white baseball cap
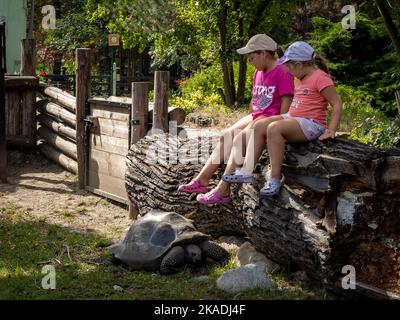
(258, 42)
(297, 51)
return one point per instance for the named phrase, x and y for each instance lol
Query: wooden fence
(92, 136)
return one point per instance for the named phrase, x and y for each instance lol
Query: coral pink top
(308, 102)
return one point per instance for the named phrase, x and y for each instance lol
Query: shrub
(365, 123)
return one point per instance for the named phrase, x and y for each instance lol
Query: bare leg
(258, 141)
(237, 153)
(222, 150)
(277, 133)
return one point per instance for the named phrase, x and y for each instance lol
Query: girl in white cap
(272, 94)
(305, 121)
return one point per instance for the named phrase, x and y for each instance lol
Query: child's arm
(334, 100)
(286, 102)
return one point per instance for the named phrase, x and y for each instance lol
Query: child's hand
(327, 134)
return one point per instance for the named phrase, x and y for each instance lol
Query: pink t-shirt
(308, 102)
(268, 88)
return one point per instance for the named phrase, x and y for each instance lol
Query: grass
(28, 246)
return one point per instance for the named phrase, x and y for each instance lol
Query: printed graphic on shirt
(262, 96)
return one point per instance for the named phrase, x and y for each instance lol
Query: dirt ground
(46, 192)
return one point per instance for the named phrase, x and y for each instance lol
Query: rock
(247, 254)
(230, 243)
(245, 278)
(118, 288)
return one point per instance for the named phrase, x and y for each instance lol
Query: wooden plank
(160, 111)
(107, 163)
(3, 141)
(13, 111)
(29, 115)
(82, 95)
(112, 101)
(112, 128)
(108, 184)
(19, 141)
(28, 57)
(17, 82)
(109, 144)
(106, 195)
(107, 112)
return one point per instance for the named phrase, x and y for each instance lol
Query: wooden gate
(108, 128)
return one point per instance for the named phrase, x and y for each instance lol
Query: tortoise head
(193, 255)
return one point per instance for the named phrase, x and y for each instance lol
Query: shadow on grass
(28, 246)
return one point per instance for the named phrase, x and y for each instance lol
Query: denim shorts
(311, 129)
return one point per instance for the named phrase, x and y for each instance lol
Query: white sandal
(272, 187)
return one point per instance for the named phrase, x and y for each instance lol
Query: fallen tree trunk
(44, 106)
(339, 205)
(177, 115)
(59, 96)
(65, 146)
(58, 157)
(56, 126)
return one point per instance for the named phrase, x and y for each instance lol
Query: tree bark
(390, 26)
(242, 68)
(223, 53)
(339, 205)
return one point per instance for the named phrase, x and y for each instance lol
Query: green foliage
(374, 69)
(366, 124)
(203, 89)
(75, 30)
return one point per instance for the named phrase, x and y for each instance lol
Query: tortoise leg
(173, 261)
(215, 252)
(112, 261)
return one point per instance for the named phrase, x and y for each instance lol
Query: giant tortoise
(165, 242)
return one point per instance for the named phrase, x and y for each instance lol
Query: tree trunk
(242, 68)
(339, 205)
(223, 53)
(390, 26)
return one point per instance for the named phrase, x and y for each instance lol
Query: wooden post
(3, 141)
(139, 118)
(82, 95)
(28, 60)
(160, 113)
(28, 68)
(140, 110)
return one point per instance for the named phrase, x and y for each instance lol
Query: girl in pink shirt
(305, 121)
(272, 94)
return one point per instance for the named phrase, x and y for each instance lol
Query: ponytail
(320, 63)
(280, 52)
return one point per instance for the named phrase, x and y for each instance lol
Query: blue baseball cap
(297, 51)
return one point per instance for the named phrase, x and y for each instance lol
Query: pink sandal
(193, 186)
(213, 197)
